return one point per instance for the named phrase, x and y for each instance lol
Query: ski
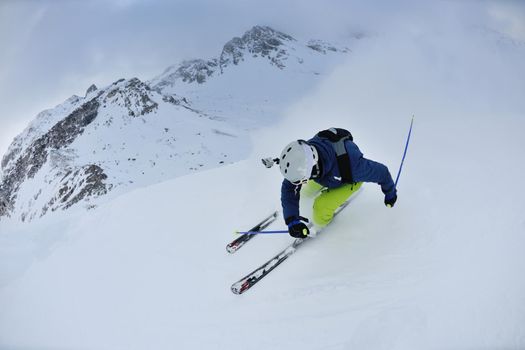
(236, 244)
(258, 274)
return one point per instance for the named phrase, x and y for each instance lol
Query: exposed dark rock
(176, 100)
(196, 70)
(92, 88)
(190, 71)
(33, 158)
(259, 41)
(10, 156)
(232, 52)
(135, 95)
(4, 208)
(77, 185)
(92, 185)
(323, 47)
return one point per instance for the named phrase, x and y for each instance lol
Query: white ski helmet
(297, 161)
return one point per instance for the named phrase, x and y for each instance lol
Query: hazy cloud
(53, 49)
(510, 18)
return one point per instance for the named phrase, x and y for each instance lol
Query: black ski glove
(297, 228)
(390, 202)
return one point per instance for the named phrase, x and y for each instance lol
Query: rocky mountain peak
(133, 133)
(259, 41)
(260, 34)
(189, 71)
(91, 89)
(132, 94)
(52, 147)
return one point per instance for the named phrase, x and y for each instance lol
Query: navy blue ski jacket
(363, 170)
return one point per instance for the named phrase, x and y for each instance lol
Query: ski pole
(405, 153)
(260, 232)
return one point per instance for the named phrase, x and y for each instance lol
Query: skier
(329, 162)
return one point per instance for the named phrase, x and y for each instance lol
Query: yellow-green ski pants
(329, 200)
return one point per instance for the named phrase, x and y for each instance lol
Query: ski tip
(235, 290)
(240, 287)
(231, 248)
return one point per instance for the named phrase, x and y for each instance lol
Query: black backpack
(338, 137)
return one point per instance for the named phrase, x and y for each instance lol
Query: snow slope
(443, 269)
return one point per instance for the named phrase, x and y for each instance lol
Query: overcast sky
(52, 49)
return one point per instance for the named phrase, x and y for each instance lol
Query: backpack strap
(335, 134)
(338, 137)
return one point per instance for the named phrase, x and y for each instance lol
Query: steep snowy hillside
(195, 116)
(117, 138)
(149, 269)
(255, 77)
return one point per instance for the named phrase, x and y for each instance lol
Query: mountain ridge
(132, 132)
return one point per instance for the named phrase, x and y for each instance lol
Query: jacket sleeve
(370, 171)
(290, 200)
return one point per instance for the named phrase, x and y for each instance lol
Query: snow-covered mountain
(196, 115)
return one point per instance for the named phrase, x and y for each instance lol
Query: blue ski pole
(405, 153)
(260, 232)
